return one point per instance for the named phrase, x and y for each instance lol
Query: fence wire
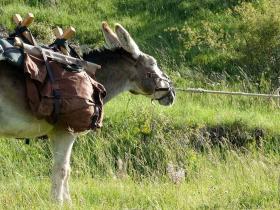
(217, 92)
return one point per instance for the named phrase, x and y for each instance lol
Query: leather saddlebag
(78, 102)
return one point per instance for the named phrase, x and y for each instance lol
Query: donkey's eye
(153, 63)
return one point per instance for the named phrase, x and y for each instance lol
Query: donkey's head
(146, 77)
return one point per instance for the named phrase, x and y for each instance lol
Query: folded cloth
(10, 53)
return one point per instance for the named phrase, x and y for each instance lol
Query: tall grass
(147, 137)
(231, 181)
(228, 146)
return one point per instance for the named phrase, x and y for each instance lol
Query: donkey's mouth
(134, 92)
(167, 99)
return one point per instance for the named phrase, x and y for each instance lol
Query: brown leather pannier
(79, 106)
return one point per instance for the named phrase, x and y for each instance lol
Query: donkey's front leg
(62, 143)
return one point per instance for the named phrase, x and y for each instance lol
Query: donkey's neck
(113, 81)
(114, 72)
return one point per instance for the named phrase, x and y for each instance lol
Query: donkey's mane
(103, 55)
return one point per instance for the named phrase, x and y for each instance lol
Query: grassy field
(225, 176)
(244, 182)
(228, 146)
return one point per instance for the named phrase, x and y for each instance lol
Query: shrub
(259, 40)
(242, 38)
(42, 32)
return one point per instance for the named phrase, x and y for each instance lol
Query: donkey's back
(16, 120)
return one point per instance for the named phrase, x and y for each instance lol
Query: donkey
(124, 68)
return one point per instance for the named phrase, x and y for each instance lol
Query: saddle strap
(19, 33)
(56, 92)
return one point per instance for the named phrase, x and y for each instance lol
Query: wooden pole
(17, 19)
(58, 32)
(37, 51)
(25, 23)
(27, 20)
(67, 34)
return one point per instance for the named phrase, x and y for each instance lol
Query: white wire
(201, 90)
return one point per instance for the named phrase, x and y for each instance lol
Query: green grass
(216, 178)
(244, 181)
(212, 137)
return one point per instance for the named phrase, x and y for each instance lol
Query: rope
(200, 90)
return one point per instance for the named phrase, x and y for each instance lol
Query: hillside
(228, 146)
(229, 37)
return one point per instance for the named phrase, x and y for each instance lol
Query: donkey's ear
(111, 38)
(126, 41)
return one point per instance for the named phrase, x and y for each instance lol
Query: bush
(259, 40)
(242, 38)
(42, 32)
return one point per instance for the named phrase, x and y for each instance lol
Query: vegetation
(228, 146)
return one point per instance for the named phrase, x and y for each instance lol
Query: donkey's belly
(16, 119)
(17, 122)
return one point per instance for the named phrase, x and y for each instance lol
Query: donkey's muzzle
(169, 98)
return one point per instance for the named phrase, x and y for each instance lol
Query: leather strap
(18, 33)
(56, 92)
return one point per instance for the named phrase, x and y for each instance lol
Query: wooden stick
(58, 32)
(27, 20)
(68, 33)
(25, 23)
(17, 19)
(37, 51)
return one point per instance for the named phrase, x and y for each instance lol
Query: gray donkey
(124, 68)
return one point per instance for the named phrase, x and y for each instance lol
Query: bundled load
(59, 83)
